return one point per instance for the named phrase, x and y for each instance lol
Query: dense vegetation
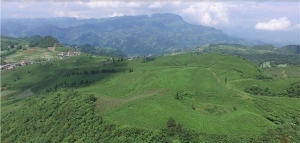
(180, 98)
(292, 91)
(10, 43)
(290, 49)
(69, 116)
(43, 42)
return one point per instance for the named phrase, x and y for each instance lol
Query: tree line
(96, 71)
(68, 84)
(292, 91)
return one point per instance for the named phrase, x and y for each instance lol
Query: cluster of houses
(69, 53)
(6, 66)
(25, 62)
(10, 66)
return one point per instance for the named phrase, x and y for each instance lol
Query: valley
(203, 93)
(109, 76)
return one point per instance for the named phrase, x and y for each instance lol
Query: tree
(92, 98)
(19, 47)
(47, 41)
(171, 122)
(294, 90)
(193, 107)
(267, 89)
(177, 96)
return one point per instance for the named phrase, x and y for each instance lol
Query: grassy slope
(197, 78)
(145, 98)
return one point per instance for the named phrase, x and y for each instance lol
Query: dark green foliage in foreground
(69, 117)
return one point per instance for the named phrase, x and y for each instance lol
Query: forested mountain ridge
(135, 35)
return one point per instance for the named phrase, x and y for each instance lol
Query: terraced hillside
(178, 98)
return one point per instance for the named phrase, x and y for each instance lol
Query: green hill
(257, 54)
(290, 49)
(178, 98)
(263, 47)
(43, 42)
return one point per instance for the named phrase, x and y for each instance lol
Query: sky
(277, 21)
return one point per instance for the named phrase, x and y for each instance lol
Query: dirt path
(63, 74)
(215, 75)
(242, 94)
(106, 103)
(217, 63)
(238, 80)
(283, 73)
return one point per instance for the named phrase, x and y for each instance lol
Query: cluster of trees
(263, 77)
(7, 53)
(185, 94)
(45, 42)
(40, 60)
(292, 91)
(147, 59)
(9, 43)
(66, 84)
(18, 78)
(256, 90)
(98, 71)
(5, 86)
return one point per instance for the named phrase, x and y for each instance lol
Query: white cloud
(207, 13)
(102, 4)
(216, 13)
(116, 14)
(206, 19)
(59, 13)
(274, 24)
(296, 26)
(155, 5)
(133, 5)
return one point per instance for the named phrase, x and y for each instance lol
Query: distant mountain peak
(135, 35)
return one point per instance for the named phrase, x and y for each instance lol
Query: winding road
(283, 73)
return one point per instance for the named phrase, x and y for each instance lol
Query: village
(61, 55)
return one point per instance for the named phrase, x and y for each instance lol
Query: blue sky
(275, 21)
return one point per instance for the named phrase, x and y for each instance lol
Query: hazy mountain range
(135, 35)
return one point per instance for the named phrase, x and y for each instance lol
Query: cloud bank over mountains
(267, 16)
(218, 14)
